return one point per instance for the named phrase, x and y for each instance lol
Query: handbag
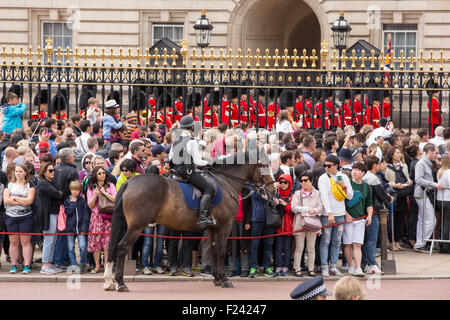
(310, 223)
(61, 218)
(105, 207)
(273, 218)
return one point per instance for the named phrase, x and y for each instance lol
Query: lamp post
(340, 29)
(203, 30)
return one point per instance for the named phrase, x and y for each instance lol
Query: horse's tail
(119, 225)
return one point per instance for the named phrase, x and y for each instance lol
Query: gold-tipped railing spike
(221, 58)
(129, 56)
(58, 54)
(94, 57)
(257, 58)
(39, 55)
(324, 53)
(441, 60)
(372, 59)
(239, 58)
(421, 60)
(30, 55)
(402, 60)
(411, 59)
(68, 55)
(103, 56)
(295, 58)
(13, 55)
(203, 57)
(4, 55)
(156, 56)
(111, 57)
(174, 57)
(313, 58)
(85, 56)
(21, 54)
(304, 58)
(49, 49)
(194, 57)
(285, 58)
(431, 60)
(353, 59)
(165, 57)
(230, 58)
(184, 52)
(333, 59)
(147, 57)
(249, 58)
(267, 58)
(344, 59)
(363, 59)
(276, 58)
(381, 60)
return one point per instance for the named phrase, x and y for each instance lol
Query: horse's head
(263, 176)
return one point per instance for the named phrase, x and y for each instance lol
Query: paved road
(201, 290)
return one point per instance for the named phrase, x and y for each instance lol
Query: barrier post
(387, 266)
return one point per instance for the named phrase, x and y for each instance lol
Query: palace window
(403, 37)
(172, 32)
(61, 34)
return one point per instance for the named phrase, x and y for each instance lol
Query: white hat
(111, 104)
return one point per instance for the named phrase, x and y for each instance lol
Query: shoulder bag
(273, 218)
(310, 223)
(105, 207)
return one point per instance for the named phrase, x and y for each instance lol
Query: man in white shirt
(384, 131)
(334, 212)
(438, 136)
(82, 141)
(287, 159)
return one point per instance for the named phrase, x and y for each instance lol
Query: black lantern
(340, 29)
(203, 30)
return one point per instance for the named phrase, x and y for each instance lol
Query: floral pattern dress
(98, 225)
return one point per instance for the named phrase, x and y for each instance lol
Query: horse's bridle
(253, 186)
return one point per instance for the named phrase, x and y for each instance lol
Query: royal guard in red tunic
(212, 106)
(247, 114)
(386, 104)
(40, 101)
(259, 111)
(309, 110)
(193, 105)
(230, 113)
(373, 111)
(298, 113)
(164, 103)
(334, 112)
(357, 108)
(273, 109)
(59, 105)
(435, 120)
(347, 108)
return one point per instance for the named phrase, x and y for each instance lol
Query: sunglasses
(51, 170)
(328, 165)
(304, 180)
(98, 173)
(124, 170)
(284, 182)
(87, 162)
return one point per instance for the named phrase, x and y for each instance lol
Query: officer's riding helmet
(187, 122)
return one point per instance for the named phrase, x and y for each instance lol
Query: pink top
(218, 148)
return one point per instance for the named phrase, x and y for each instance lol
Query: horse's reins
(252, 186)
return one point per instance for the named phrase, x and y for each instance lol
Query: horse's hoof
(109, 286)
(227, 284)
(122, 288)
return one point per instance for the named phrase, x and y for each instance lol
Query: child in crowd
(12, 110)
(94, 114)
(77, 221)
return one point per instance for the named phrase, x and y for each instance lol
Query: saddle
(192, 194)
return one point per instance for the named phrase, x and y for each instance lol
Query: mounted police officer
(185, 156)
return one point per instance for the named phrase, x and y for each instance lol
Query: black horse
(151, 198)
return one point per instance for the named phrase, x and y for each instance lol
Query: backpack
(357, 197)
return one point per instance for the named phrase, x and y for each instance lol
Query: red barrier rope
(174, 237)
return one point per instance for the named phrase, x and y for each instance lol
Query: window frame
(387, 28)
(55, 48)
(160, 24)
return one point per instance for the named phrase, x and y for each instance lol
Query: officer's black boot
(204, 221)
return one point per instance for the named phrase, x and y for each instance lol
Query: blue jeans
(283, 251)
(48, 247)
(370, 242)
(258, 229)
(331, 241)
(147, 247)
(61, 255)
(82, 245)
